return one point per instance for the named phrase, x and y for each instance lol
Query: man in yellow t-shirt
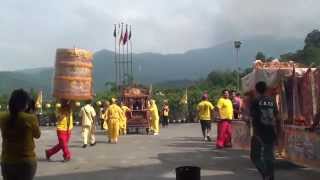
(225, 109)
(205, 109)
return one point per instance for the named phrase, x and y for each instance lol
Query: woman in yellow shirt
(64, 127)
(18, 130)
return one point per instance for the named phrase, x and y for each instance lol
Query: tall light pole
(237, 45)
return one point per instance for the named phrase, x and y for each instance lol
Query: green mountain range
(159, 68)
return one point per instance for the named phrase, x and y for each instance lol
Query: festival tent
(293, 85)
(296, 89)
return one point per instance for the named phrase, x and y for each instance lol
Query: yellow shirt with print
(225, 108)
(204, 110)
(64, 121)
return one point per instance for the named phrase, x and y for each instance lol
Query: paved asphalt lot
(145, 157)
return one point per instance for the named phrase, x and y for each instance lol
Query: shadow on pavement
(225, 164)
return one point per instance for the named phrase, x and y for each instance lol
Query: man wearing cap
(88, 115)
(114, 115)
(225, 109)
(205, 109)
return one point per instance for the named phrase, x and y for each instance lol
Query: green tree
(246, 71)
(260, 56)
(33, 93)
(310, 54)
(225, 79)
(313, 39)
(269, 59)
(111, 86)
(4, 98)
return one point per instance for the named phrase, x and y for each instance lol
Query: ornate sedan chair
(137, 99)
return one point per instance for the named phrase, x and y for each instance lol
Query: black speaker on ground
(188, 173)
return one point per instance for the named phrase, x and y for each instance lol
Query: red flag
(125, 38)
(130, 33)
(121, 36)
(115, 31)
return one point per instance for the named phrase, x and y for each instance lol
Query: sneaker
(93, 144)
(155, 134)
(205, 139)
(84, 146)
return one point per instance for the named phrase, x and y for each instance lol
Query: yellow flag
(184, 99)
(150, 89)
(39, 99)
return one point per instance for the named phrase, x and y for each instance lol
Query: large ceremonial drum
(73, 74)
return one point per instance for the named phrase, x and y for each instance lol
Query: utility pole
(237, 45)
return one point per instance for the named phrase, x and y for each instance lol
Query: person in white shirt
(88, 115)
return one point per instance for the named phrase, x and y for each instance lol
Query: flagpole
(131, 55)
(123, 63)
(187, 105)
(120, 77)
(119, 60)
(119, 65)
(127, 61)
(115, 53)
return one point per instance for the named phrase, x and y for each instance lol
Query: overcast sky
(31, 30)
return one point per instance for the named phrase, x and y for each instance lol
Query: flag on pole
(121, 36)
(39, 100)
(115, 31)
(150, 89)
(125, 38)
(119, 27)
(184, 99)
(130, 33)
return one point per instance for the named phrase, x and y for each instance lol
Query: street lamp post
(237, 45)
